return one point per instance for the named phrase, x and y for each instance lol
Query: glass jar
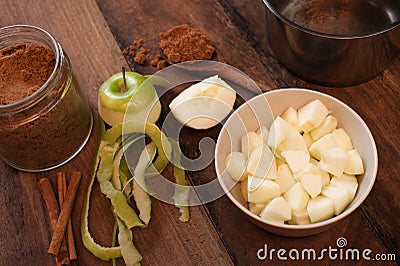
(51, 125)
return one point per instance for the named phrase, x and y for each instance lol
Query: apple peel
(182, 191)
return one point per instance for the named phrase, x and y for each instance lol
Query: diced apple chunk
(325, 143)
(262, 190)
(310, 168)
(263, 132)
(285, 178)
(277, 210)
(342, 139)
(297, 197)
(314, 161)
(283, 137)
(256, 208)
(333, 161)
(262, 163)
(346, 181)
(279, 162)
(296, 160)
(313, 169)
(326, 127)
(311, 115)
(312, 183)
(249, 142)
(320, 208)
(290, 116)
(354, 164)
(340, 197)
(300, 217)
(294, 142)
(243, 190)
(325, 178)
(277, 132)
(308, 140)
(236, 163)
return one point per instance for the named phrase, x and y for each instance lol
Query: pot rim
(327, 35)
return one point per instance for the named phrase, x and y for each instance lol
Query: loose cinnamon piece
(62, 192)
(53, 211)
(65, 212)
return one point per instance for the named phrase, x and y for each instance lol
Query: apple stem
(125, 87)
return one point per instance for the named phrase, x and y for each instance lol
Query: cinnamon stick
(65, 213)
(62, 192)
(50, 200)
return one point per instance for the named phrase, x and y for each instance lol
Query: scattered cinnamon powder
(138, 43)
(158, 62)
(24, 68)
(140, 56)
(180, 43)
(183, 43)
(155, 60)
(161, 64)
(130, 50)
(137, 51)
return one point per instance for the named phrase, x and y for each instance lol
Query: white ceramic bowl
(261, 110)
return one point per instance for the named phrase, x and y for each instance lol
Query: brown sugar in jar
(44, 119)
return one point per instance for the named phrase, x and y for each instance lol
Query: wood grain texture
(148, 18)
(377, 101)
(379, 231)
(93, 34)
(25, 232)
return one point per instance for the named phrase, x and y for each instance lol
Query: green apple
(127, 92)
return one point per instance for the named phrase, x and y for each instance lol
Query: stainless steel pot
(334, 42)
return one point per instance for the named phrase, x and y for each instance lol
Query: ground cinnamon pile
(159, 62)
(183, 43)
(24, 68)
(178, 44)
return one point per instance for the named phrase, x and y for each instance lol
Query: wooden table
(94, 34)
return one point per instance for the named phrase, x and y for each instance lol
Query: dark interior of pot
(340, 17)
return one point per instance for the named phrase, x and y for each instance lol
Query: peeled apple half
(204, 104)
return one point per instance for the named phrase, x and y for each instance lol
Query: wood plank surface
(25, 232)
(242, 15)
(377, 101)
(93, 34)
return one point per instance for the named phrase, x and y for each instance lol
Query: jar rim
(17, 30)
